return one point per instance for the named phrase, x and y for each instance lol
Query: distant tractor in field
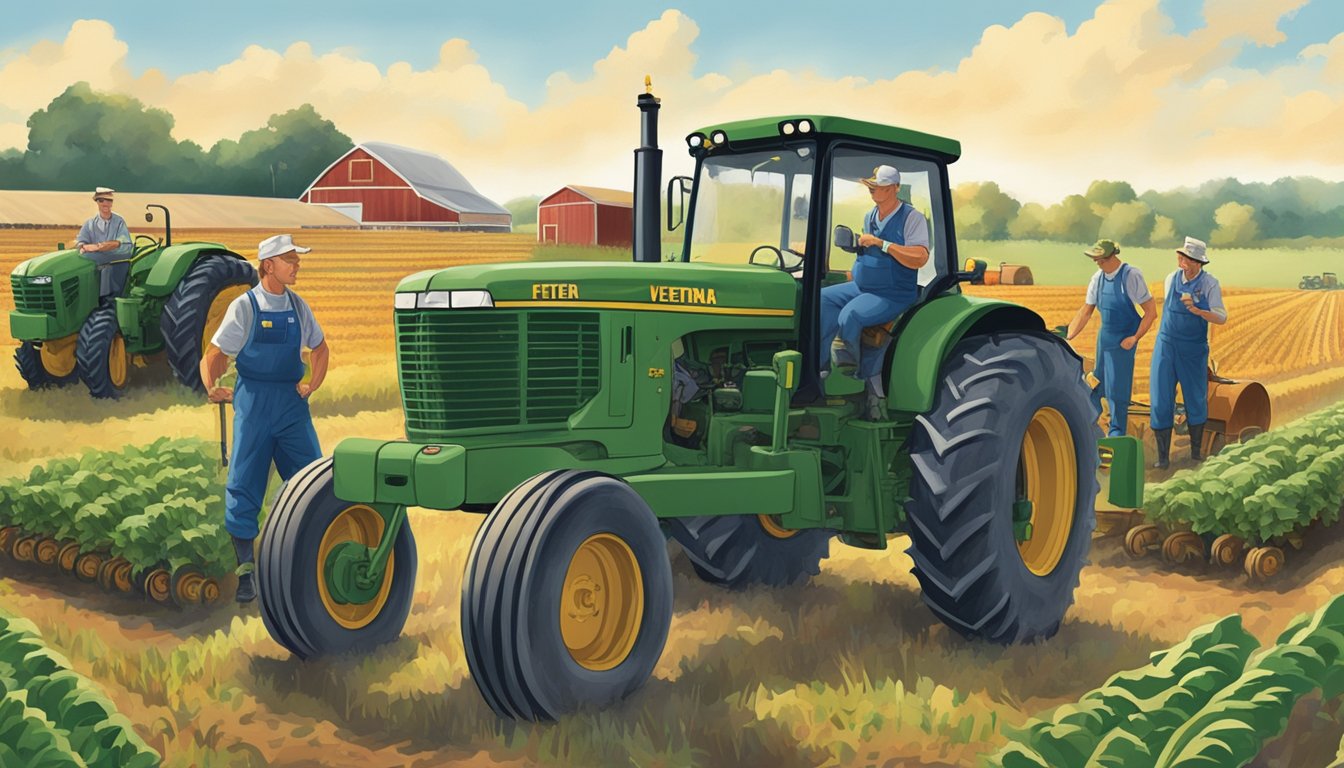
(173, 300)
(1006, 274)
(1327, 281)
(596, 410)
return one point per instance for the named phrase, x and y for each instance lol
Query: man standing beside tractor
(1115, 288)
(1181, 353)
(892, 248)
(264, 331)
(105, 240)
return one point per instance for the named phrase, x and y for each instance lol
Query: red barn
(587, 216)
(384, 185)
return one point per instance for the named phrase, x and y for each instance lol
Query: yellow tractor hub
(215, 315)
(770, 524)
(363, 526)
(1050, 483)
(58, 355)
(602, 602)
(117, 361)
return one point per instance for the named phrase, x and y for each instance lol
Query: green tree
(1029, 223)
(1128, 223)
(983, 211)
(1109, 193)
(281, 159)
(1072, 221)
(524, 209)
(84, 139)
(1236, 225)
(1164, 232)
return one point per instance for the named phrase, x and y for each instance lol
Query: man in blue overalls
(892, 248)
(264, 330)
(1115, 288)
(1181, 353)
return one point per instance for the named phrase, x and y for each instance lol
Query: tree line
(85, 138)
(1225, 212)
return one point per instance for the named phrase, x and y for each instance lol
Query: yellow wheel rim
(117, 361)
(363, 525)
(771, 526)
(1049, 467)
(602, 603)
(58, 355)
(215, 315)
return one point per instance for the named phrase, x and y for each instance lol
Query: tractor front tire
(741, 551)
(194, 311)
(567, 596)
(100, 354)
(28, 360)
(1012, 428)
(298, 607)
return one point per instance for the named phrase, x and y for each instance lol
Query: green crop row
(52, 716)
(1272, 485)
(149, 504)
(1210, 701)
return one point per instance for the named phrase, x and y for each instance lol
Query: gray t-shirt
(1135, 287)
(237, 324)
(916, 226)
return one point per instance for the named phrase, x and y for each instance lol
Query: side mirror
(844, 239)
(149, 216)
(680, 187)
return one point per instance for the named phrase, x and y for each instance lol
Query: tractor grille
(33, 298)
(468, 369)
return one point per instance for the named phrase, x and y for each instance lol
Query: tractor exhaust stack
(648, 176)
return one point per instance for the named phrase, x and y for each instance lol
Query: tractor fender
(930, 332)
(173, 263)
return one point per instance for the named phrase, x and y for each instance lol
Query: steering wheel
(153, 243)
(779, 258)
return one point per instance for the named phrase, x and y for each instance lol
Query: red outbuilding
(587, 216)
(384, 185)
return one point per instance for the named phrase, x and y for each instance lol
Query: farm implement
(596, 410)
(1252, 502)
(1326, 281)
(139, 521)
(172, 300)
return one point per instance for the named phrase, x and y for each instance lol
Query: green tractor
(597, 410)
(172, 299)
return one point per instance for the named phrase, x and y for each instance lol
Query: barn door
(549, 233)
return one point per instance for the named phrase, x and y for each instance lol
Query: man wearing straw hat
(1181, 353)
(1115, 288)
(264, 330)
(106, 241)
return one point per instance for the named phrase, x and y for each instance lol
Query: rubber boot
(1163, 438)
(1196, 442)
(247, 586)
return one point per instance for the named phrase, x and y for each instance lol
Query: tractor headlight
(787, 129)
(40, 280)
(718, 137)
(804, 126)
(695, 140)
(444, 300)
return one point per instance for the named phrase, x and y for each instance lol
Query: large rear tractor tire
(567, 596)
(743, 551)
(51, 365)
(193, 313)
(301, 609)
(100, 354)
(1012, 429)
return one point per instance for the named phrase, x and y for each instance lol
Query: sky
(523, 98)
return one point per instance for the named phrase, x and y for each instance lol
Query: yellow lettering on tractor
(676, 294)
(555, 291)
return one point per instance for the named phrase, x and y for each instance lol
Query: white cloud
(1040, 110)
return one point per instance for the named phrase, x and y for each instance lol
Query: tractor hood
(667, 286)
(57, 264)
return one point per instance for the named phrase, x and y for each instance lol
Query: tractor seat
(879, 335)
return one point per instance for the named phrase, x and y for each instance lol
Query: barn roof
(432, 177)
(605, 196)
(70, 209)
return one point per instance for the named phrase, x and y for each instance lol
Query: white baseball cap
(277, 245)
(883, 176)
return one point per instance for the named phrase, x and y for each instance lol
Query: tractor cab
(782, 193)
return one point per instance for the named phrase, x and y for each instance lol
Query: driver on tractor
(106, 241)
(892, 248)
